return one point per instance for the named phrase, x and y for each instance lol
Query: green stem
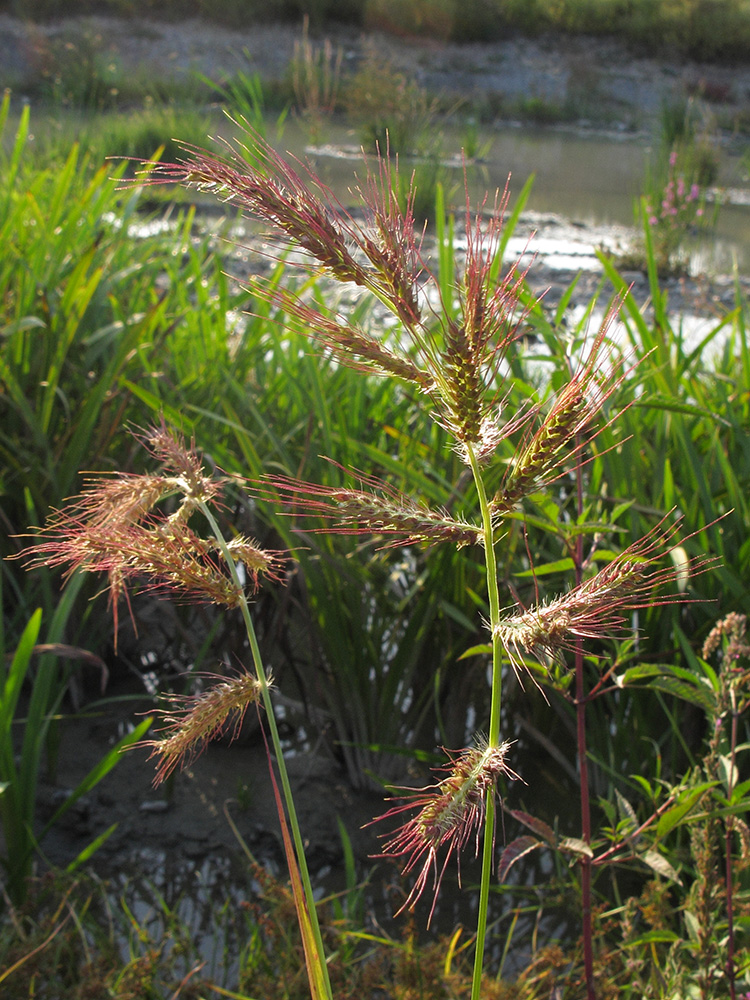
(275, 742)
(493, 596)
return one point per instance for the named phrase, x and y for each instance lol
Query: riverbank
(595, 81)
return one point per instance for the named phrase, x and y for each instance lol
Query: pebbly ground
(599, 77)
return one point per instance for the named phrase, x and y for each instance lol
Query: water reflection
(590, 179)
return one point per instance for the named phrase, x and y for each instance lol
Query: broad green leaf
(676, 814)
(559, 566)
(483, 649)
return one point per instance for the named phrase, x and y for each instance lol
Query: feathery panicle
(475, 346)
(382, 257)
(599, 606)
(566, 429)
(450, 813)
(350, 345)
(257, 562)
(271, 190)
(192, 721)
(488, 307)
(379, 510)
(115, 527)
(389, 241)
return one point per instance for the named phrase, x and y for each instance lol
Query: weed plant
(88, 308)
(260, 399)
(675, 205)
(513, 468)
(390, 109)
(316, 79)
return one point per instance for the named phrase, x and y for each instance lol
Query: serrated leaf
(644, 671)
(687, 801)
(626, 810)
(686, 692)
(576, 846)
(658, 863)
(516, 850)
(537, 825)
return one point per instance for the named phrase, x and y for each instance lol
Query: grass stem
(493, 597)
(262, 675)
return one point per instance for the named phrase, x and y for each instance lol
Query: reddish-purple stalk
(728, 830)
(581, 702)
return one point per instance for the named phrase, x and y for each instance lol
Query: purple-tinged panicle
(454, 362)
(351, 345)
(382, 256)
(273, 191)
(566, 430)
(450, 813)
(115, 527)
(475, 345)
(379, 510)
(599, 607)
(192, 721)
(389, 241)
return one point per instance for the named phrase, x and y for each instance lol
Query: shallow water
(592, 180)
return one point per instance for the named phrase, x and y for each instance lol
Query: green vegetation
(113, 318)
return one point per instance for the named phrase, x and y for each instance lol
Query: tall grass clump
(453, 344)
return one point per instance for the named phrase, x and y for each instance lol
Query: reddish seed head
(115, 527)
(192, 721)
(600, 605)
(450, 813)
(379, 510)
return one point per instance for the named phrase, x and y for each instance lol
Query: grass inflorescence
(480, 480)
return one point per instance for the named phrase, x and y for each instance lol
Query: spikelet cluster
(116, 527)
(600, 604)
(449, 814)
(454, 362)
(379, 510)
(566, 429)
(192, 721)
